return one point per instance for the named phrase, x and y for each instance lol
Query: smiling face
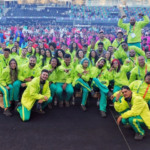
(13, 65)
(44, 76)
(54, 62)
(115, 64)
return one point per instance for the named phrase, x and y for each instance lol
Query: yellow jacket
(31, 94)
(137, 107)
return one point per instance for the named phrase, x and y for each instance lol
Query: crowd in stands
(40, 62)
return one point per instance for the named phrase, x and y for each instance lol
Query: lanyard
(6, 63)
(139, 70)
(146, 91)
(131, 29)
(100, 74)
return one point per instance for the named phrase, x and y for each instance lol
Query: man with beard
(134, 111)
(100, 51)
(123, 53)
(28, 72)
(100, 81)
(134, 29)
(37, 91)
(142, 88)
(117, 42)
(140, 70)
(132, 60)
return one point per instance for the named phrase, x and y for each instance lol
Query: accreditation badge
(133, 35)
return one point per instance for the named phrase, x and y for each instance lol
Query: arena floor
(67, 129)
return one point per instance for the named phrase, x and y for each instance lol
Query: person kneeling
(134, 112)
(37, 91)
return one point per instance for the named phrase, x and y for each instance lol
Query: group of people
(32, 73)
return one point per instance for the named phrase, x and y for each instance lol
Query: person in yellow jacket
(9, 85)
(134, 111)
(142, 88)
(64, 81)
(117, 42)
(118, 74)
(22, 59)
(81, 78)
(123, 54)
(5, 58)
(134, 29)
(104, 40)
(100, 81)
(37, 91)
(28, 72)
(147, 59)
(53, 68)
(132, 59)
(140, 70)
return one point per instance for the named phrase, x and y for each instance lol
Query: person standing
(134, 29)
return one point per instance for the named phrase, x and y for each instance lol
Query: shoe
(138, 136)
(127, 126)
(61, 104)
(17, 105)
(83, 108)
(40, 111)
(7, 113)
(67, 104)
(103, 114)
(49, 106)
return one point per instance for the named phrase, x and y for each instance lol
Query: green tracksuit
(31, 95)
(101, 81)
(135, 112)
(82, 82)
(142, 89)
(13, 92)
(62, 78)
(136, 30)
(122, 55)
(138, 73)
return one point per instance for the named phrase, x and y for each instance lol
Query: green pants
(85, 89)
(16, 87)
(116, 88)
(103, 91)
(25, 113)
(135, 123)
(7, 95)
(138, 44)
(53, 89)
(59, 91)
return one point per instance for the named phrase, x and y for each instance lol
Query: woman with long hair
(29, 51)
(79, 56)
(73, 49)
(60, 55)
(53, 68)
(93, 57)
(46, 58)
(118, 74)
(9, 85)
(37, 54)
